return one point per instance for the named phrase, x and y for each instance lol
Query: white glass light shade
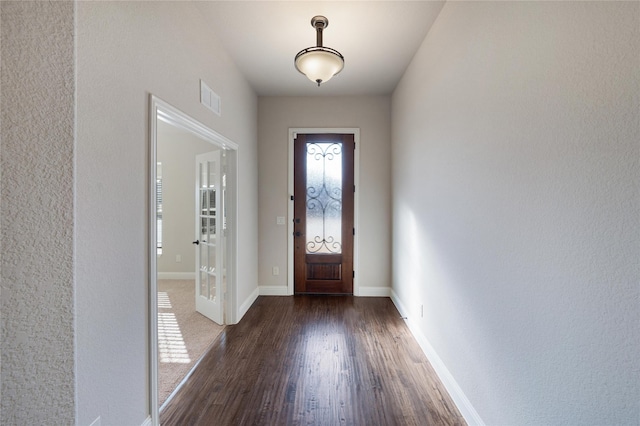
(319, 64)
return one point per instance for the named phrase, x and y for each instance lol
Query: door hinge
(354, 231)
(354, 188)
(354, 274)
(292, 198)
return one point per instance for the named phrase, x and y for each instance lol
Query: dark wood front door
(323, 213)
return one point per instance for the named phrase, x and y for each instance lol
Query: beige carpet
(183, 334)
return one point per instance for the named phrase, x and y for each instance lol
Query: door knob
(196, 242)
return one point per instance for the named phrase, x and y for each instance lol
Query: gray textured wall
(516, 219)
(36, 150)
(126, 51)
(372, 115)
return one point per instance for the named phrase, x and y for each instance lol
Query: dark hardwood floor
(314, 360)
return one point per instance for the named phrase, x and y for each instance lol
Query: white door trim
(161, 110)
(355, 131)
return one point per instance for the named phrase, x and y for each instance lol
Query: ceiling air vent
(209, 98)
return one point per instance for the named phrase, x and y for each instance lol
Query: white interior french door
(209, 243)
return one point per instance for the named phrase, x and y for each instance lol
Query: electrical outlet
(279, 220)
(276, 270)
(178, 258)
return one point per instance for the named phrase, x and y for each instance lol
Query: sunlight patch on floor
(163, 300)
(171, 346)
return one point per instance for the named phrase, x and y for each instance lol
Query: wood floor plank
(314, 360)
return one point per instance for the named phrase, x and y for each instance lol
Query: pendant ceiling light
(319, 63)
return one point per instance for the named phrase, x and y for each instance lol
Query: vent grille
(209, 98)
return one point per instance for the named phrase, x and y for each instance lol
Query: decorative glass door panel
(323, 208)
(324, 198)
(209, 256)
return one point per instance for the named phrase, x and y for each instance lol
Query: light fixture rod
(319, 22)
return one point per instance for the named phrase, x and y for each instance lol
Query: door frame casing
(293, 131)
(161, 110)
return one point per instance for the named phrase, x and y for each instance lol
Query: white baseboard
(147, 422)
(266, 290)
(176, 275)
(459, 398)
(374, 292)
(244, 307)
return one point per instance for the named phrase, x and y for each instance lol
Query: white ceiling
(377, 39)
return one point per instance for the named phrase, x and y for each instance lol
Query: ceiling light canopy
(319, 63)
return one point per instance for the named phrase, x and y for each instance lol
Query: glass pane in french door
(207, 224)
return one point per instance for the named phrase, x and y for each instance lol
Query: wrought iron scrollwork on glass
(324, 198)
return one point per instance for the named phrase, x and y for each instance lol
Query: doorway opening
(323, 212)
(192, 245)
